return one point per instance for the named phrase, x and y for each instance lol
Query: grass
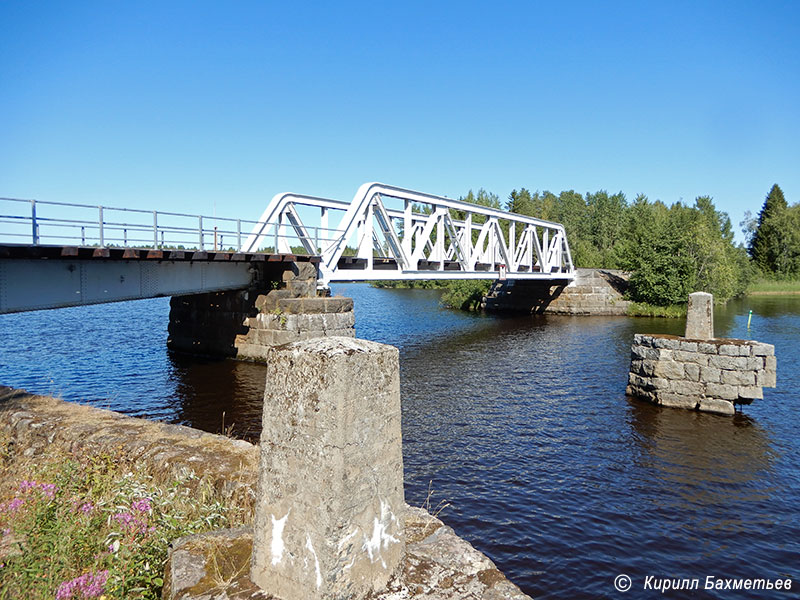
(642, 309)
(766, 287)
(93, 526)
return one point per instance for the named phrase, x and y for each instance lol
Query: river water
(521, 425)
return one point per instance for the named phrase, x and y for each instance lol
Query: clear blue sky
(196, 106)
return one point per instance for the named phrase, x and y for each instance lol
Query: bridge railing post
(100, 226)
(34, 224)
(239, 234)
(155, 229)
(200, 230)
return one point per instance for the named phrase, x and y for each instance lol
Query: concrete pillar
(329, 512)
(700, 316)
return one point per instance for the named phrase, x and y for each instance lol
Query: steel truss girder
(435, 243)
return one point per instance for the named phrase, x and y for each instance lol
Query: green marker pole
(749, 317)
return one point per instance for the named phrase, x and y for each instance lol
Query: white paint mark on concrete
(380, 537)
(347, 538)
(316, 561)
(277, 546)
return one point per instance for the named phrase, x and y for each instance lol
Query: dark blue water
(520, 424)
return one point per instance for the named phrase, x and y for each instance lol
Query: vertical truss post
(323, 224)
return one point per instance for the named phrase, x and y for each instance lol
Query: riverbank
(773, 287)
(92, 501)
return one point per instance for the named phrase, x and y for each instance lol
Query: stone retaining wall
(244, 323)
(35, 424)
(707, 375)
(438, 564)
(592, 292)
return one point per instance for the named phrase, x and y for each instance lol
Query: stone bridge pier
(280, 306)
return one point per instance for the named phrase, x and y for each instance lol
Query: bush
(465, 294)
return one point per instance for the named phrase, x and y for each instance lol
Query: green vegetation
(766, 286)
(91, 527)
(463, 294)
(773, 239)
(642, 309)
(670, 251)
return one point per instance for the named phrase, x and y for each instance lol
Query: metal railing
(36, 222)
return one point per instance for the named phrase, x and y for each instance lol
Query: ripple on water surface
(520, 423)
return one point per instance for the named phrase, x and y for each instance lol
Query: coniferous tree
(767, 245)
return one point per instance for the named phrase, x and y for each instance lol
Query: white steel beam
(418, 240)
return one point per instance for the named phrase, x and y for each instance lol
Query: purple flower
(49, 489)
(86, 508)
(131, 522)
(124, 518)
(88, 585)
(12, 505)
(142, 505)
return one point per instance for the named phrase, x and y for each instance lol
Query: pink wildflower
(88, 585)
(124, 518)
(49, 489)
(86, 508)
(131, 522)
(142, 505)
(12, 505)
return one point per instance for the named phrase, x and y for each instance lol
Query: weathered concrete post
(700, 316)
(328, 520)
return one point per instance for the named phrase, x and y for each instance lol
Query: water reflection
(702, 454)
(221, 396)
(521, 423)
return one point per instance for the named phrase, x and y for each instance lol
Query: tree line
(672, 250)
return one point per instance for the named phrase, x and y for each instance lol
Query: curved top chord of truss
(387, 232)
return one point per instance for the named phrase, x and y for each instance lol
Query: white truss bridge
(55, 254)
(388, 233)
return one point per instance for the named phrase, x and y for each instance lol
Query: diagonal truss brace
(394, 233)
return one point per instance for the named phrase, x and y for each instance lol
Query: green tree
(769, 247)
(681, 249)
(606, 216)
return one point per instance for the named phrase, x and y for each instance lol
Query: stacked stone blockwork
(282, 319)
(243, 324)
(592, 292)
(708, 375)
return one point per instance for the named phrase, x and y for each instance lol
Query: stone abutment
(280, 307)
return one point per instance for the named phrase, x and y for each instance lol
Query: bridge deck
(42, 277)
(22, 251)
